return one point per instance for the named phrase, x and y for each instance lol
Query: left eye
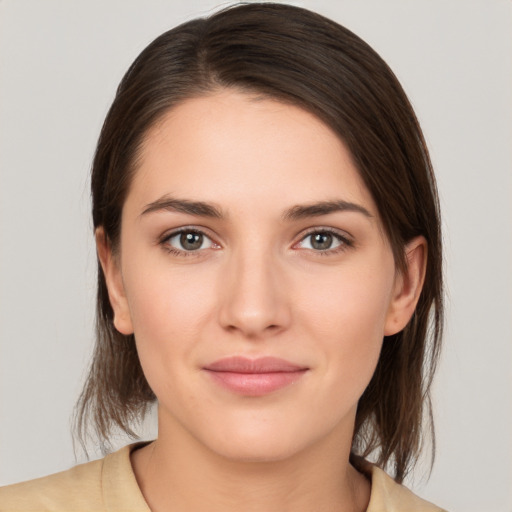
(189, 241)
(322, 241)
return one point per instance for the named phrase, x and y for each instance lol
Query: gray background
(60, 62)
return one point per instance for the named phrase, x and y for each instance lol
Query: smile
(254, 377)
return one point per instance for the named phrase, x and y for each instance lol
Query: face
(255, 275)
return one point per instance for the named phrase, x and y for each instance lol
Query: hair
(295, 56)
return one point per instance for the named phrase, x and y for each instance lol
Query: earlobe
(112, 272)
(408, 286)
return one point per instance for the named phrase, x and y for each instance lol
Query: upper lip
(237, 364)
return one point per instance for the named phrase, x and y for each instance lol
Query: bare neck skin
(177, 473)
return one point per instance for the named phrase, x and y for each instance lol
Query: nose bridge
(253, 297)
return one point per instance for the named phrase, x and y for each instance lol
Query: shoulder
(100, 485)
(388, 496)
(56, 492)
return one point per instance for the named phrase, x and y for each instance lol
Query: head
(284, 54)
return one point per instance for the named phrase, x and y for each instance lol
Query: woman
(268, 237)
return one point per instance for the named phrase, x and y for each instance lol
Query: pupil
(191, 241)
(322, 241)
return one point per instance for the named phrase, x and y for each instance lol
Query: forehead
(231, 147)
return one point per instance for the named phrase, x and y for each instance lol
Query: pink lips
(254, 377)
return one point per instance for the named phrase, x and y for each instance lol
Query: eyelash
(345, 242)
(182, 253)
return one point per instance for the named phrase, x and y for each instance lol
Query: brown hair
(296, 56)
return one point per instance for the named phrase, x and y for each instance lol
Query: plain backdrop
(60, 62)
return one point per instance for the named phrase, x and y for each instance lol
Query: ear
(112, 272)
(408, 286)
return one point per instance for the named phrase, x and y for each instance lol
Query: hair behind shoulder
(296, 56)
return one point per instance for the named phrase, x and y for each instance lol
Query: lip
(254, 377)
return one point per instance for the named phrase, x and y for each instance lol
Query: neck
(176, 473)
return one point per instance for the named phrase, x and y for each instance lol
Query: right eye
(187, 240)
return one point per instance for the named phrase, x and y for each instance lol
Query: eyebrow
(323, 208)
(198, 208)
(297, 212)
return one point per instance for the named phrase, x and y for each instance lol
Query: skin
(257, 286)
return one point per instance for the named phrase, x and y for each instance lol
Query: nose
(254, 300)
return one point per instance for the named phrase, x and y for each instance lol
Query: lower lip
(255, 384)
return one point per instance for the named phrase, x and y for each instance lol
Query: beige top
(109, 485)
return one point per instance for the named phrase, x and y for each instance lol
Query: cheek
(168, 310)
(164, 300)
(346, 313)
(352, 299)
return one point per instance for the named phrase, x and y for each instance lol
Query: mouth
(254, 377)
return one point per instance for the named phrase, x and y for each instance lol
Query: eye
(324, 240)
(188, 240)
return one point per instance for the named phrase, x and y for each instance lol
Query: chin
(255, 451)
(261, 443)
